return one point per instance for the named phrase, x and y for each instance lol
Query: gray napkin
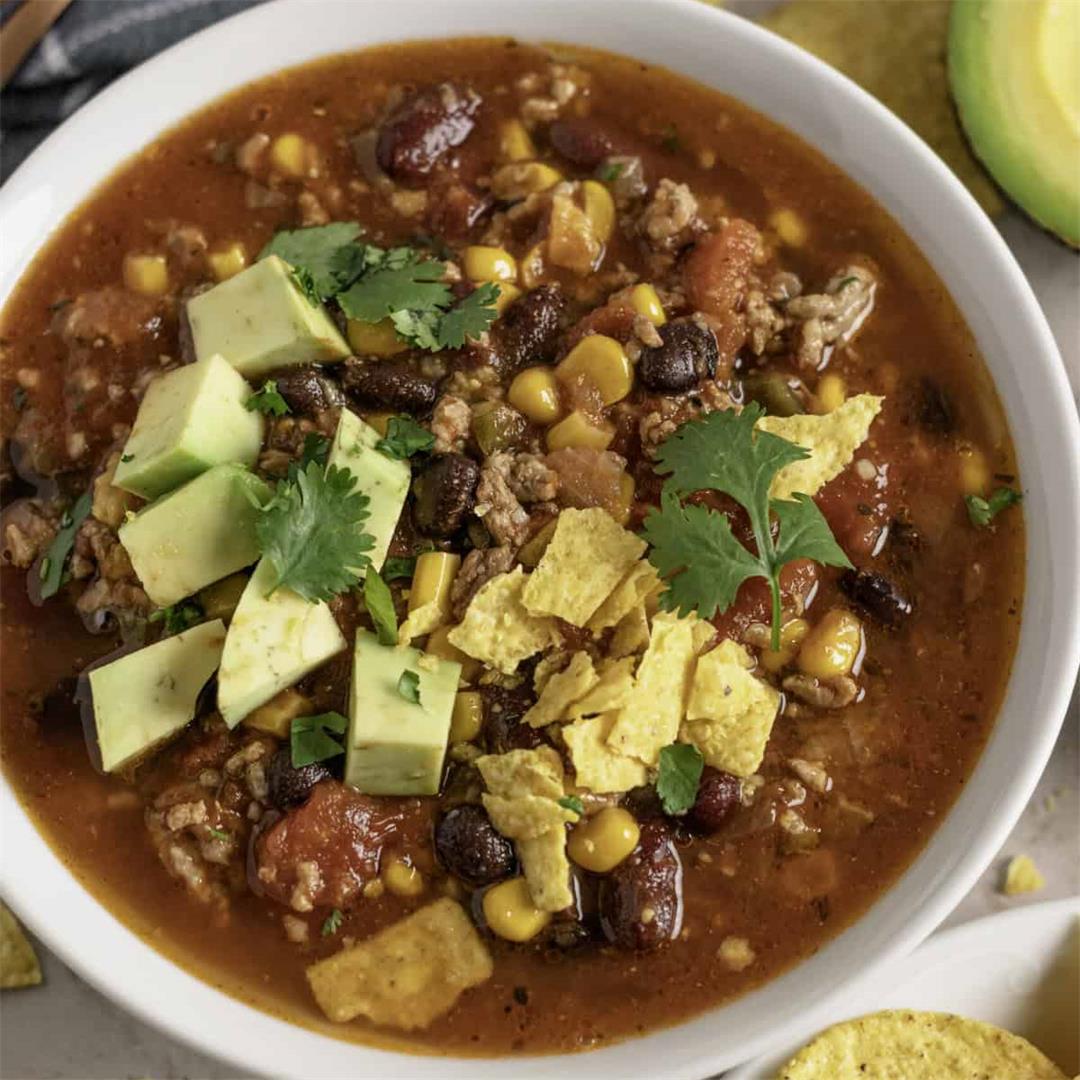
(92, 43)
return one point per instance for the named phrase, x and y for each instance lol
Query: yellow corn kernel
(507, 295)
(146, 274)
(220, 599)
(483, 263)
(401, 878)
(531, 266)
(468, 716)
(832, 647)
(645, 301)
(380, 421)
(600, 843)
(510, 912)
(228, 262)
(289, 154)
(535, 392)
(578, 430)
(374, 339)
(515, 143)
(626, 499)
(831, 392)
(516, 181)
(438, 644)
(789, 227)
(792, 634)
(974, 471)
(432, 579)
(603, 361)
(600, 209)
(532, 551)
(277, 715)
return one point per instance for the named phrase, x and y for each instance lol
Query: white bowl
(879, 152)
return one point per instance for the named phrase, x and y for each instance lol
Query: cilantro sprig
(53, 564)
(694, 547)
(332, 923)
(678, 777)
(267, 400)
(311, 738)
(572, 803)
(404, 437)
(380, 606)
(408, 686)
(370, 283)
(982, 511)
(310, 531)
(179, 617)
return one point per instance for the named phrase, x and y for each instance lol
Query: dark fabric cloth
(92, 43)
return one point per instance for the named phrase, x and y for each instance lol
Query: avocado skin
(993, 74)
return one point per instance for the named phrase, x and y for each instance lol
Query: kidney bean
(641, 899)
(289, 784)
(580, 141)
(309, 390)
(469, 847)
(503, 710)
(529, 331)
(718, 797)
(388, 384)
(687, 356)
(420, 131)
(445, 493)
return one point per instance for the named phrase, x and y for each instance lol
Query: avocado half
(1014, 70)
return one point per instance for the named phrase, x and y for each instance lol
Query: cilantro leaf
(310, 532)
(420, 328)
(397, 567)
(310, 738)
(267, 400)
(53, 562)
(610, 172)
(404, 437)
(380, 606)
(470, 317)
(982, 511)
(401, 281)
(217, 834)
(572, 802)
(316, 448)
(408, 686)
(315, 254)
(677, 780)
(332, 923)
(179, 617)
(695, 547)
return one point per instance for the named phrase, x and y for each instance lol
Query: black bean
(641, 899)
(388, 384)
(688, 355)
(876, 595)
(932, 407)
(469, 847)
(503, 710)
(644, 803)
(419, 132)
(718, 797)
(580, 141)
(309, 390)
(445, 493)
(529, 331)
(290, 785)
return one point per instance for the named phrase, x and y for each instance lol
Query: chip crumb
(19, 965)
(736, 953)
(1022, 876)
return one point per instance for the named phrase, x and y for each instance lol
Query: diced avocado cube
(396, 746)
(273, 642)
(142, 698)
(382, 479)
(260, 320)
(190, 419)
(195, 535)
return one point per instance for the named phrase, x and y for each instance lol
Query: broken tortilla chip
(18, 962)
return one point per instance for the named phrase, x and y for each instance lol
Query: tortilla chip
(631, 635)
(422, 621)
(612, 691)
(561, 690)
(1022, 876)
(547, 869)
(832, 440)
(588, 556)
(18, 962)
(523, 772)
(641, 580)
(597, 767)
(497, 629)
(930, 1046)
(526, 817)
(896, 50)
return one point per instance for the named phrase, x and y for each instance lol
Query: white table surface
(66, 1029)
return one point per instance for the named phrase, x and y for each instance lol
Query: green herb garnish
(54, 561)
(469, 318)
(217, 834)
(398, 567)
(572, 802)
(178, 617)
(404, 437)
(18, 398)
(127, 457)
(408, 686)
(610, 172)
(316, 449)
(267, 400)
(310, 532)
(332, 923)
(310, 738)
(982, 511)
(669, 139)
(380, 606)
(321, 256)
(694, 548)
(678, 778)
